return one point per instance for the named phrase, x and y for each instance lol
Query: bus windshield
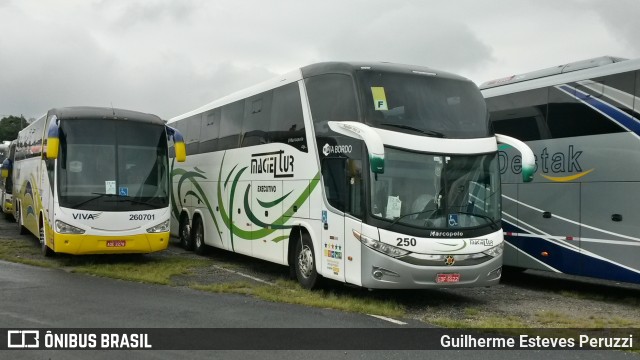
(437, 192)
(112, 165)
(423, 104)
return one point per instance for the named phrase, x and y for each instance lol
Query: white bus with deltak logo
(581, 214)
(95, 181)
(373, 174)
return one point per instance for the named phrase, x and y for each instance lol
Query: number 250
(406, 241)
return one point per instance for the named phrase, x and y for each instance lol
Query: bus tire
(46, 250)
(305, 264)
(185, 233)
(199, 247)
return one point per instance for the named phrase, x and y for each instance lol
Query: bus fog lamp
(162, 227)
(64, 228)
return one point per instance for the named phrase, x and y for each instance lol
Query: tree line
(10, 126)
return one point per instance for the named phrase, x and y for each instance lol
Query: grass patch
(154, 271)
(290, 292)
(24, 252)
(558, 320)
(478, 321)
(599, 297)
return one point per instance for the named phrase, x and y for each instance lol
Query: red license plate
(116, 243)
(447, 278)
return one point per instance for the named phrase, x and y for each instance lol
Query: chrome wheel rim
(305, 261)
(185, 233)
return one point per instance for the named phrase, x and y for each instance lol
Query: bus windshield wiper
(405, 215)
(431, 133)
(493, 223)
(99, 195)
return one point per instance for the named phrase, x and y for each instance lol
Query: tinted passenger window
(210, 130)
(522, 115)
(331, 98)
(193, 134)
(287, 121)
(230, 125)
(257, 116)
(569, 117)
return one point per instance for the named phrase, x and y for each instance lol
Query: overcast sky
(169, 57)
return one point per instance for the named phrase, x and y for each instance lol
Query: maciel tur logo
(277, 163)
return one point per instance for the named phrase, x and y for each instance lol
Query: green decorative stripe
(280, 238)
(271, 204)
(254, 219)
(198, 170)
(233, 193)
(228, 176)
(190, 192)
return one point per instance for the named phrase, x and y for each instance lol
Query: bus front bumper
(94, 244)
(384, 272)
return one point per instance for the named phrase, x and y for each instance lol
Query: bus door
(342, 184)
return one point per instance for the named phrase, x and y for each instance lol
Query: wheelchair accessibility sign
(453, 220)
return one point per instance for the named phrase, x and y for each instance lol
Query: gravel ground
(530, 298)
(522, 299)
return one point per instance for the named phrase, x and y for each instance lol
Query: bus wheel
(185, 233)
(46, 251)
(198, 237)
(305, 263)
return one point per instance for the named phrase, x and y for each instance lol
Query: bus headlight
(495, 251)
(162, 227)
(379, 246)
(64, 228)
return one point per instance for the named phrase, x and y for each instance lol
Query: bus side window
(257, 118)
(521, 115)
(287, 121)
(231, 125)
(331, 98)
(210, 130)
(193, 134)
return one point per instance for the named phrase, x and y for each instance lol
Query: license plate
(116, 243)
(447, 278)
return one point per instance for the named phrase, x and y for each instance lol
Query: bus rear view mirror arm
(528, 159)
(361, 131)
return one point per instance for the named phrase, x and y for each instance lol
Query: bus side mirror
(364, 132)
(528, 159)
(53, 139)
(178, 144)
(6, 166)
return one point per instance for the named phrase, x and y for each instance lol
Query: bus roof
(336, 67)
(555, 70)
(90, 112)
(575, 71)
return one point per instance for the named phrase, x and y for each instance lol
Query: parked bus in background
(581, 214)
(93, 180)
(6, 180)
(373, 174)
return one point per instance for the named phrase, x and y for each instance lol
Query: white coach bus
(581, 214)
(373, 174)
(95, 181)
